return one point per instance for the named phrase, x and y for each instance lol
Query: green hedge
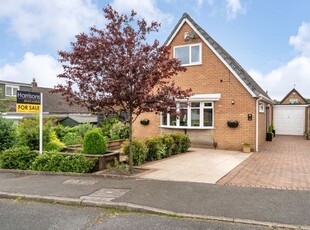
(17, 158)
(7, 133)
(56, 162)
(95, 142)
(139, 151)
(154, 148)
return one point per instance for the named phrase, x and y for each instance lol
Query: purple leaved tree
(115, 67)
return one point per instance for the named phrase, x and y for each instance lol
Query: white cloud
(295, 72)
(281, 80)
(147, 9)
(234, 7)
(301, 41)
(53, 21)
(42, 67)
(199, 3)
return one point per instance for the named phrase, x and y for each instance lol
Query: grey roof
(56, 103)
(83, 118)
(245, 77)
(14, 83)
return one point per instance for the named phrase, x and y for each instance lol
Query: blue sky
(269, 38)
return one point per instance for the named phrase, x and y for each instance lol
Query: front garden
(83, 149)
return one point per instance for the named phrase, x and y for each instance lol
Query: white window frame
(12, 87)
(261, 107)
(294, 100)
(190, 53)
(201, 121)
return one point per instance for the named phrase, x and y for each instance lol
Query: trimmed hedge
(17, 158)
(56, 162)
(154, 148)
(139, 151)
(95, 142)
(7, 133)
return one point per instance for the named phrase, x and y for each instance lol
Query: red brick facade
(235, 103)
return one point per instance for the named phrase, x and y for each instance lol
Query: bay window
(190, 115)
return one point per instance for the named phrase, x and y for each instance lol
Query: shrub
(115, 137)
(107, 124)
(61, 131)
(82, 129)
(56, 162)
(54, 144)
(72, 139)
(181, 143)
(139, 151)
(94, 142)
(17, 158)
(177, 143)
(167, 144)
(154, 148)
(119, 129)
(185, 143)
(28, 132)
(7, 134)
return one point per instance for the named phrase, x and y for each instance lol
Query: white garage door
(289, 119)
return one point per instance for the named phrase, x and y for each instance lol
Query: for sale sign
(28, 102)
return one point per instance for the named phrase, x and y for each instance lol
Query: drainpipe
(256, 130)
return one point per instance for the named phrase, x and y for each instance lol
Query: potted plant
(144, 121)
(269, 134)
(272, 130)
(246, 147)
(233, 124)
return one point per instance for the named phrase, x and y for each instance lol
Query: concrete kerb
(140, 208)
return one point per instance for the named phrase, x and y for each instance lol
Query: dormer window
(188, 54)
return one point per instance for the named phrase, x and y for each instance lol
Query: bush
(167, 143)
(181, 143)
(94, 142)
(82, 129)
(28, 132)
(54, 144)
(17, 158)
(56, 162)
(115, 137)
(139, 151)
(154, 148)
(185, 143)
(107, 124)
(7, 134)
(72, 139)
(61, 131)
(119, 129)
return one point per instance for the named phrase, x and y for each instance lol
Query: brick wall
(212, 76)
(293, 95)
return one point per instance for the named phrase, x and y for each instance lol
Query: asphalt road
(17, 214)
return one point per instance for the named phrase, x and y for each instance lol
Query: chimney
(34, 83)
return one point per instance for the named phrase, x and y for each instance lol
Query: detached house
(222, 91)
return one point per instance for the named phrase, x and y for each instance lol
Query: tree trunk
(130, 143)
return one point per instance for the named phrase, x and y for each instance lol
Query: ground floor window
(190, 115)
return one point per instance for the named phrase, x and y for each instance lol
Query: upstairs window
(188, 54)
(293, 100)
(11, 90)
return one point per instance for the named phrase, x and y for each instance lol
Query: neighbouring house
(54, 105)
(292, 115)
(222, 91)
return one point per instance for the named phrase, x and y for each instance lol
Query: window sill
(192, 64)
(184, 127)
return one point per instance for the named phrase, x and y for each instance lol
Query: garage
(289, 119)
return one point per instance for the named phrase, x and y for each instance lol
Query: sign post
(31, 102)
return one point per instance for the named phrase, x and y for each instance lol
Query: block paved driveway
(283, 163)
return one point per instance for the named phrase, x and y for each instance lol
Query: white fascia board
(203, 97)
(266, 99)
(214, 51)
